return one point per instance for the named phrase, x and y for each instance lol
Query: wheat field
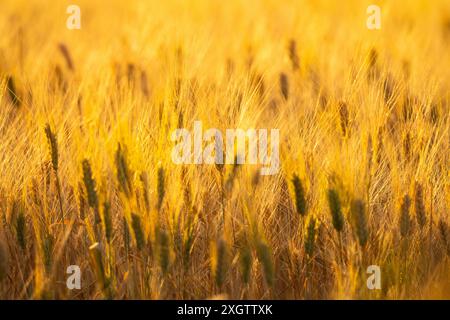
(87, 177)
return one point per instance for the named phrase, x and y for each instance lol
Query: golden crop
(87, 179)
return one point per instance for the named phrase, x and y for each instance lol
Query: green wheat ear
(265, 257)
(126, 235)
(310, 236)
(293, 56)
(145, 188)
(405, 220)
(299, 193)
(53, 145)
(164, 252)
(107, 221)
(245, 255)
(138, 231)
(96, 255)
(444, 232)
(359, 216)
(4, 260)
(123, 172)
(20, 224)
(12, 91)
(284, 85)
(219, 262)
(344, 117)
(161, 187)
(91, 191)
(419, 206)
(48, 244)
(82, 201)
(335, 209)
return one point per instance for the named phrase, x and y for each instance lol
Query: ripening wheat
(87, 178)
